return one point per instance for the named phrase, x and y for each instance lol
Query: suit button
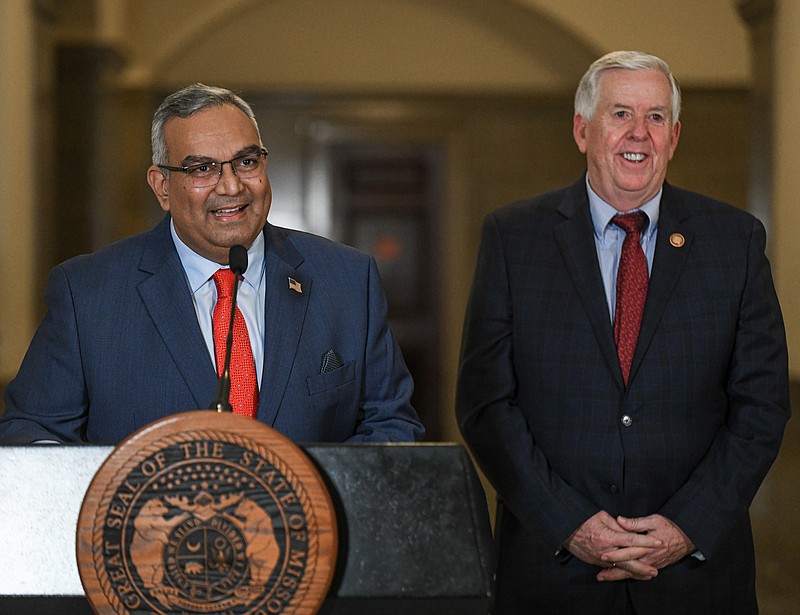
(613, 489)
(626, 420)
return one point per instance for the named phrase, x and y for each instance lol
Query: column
(786, 175)
(759, 15)
(18, 304)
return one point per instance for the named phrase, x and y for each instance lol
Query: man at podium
(142, 328)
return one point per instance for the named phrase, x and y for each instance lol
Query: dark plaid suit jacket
(542, 405)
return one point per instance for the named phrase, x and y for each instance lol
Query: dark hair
(184, 103)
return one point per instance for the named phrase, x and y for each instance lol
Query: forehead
(624, 86)
(214, 131)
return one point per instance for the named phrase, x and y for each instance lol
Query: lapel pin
(295, 286)
(677, 240)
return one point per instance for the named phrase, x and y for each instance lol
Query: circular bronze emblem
(205, 512)
(677, 240)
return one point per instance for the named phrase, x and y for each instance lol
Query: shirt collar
(602, 212)
(199, 269)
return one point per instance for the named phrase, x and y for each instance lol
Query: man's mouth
(226, 212)
(631, 157)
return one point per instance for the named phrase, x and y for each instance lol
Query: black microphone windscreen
(237, 259)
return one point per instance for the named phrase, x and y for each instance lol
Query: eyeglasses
(207, 174)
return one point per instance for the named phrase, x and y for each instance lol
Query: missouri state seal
(207, 513)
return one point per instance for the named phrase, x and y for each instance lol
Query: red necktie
(631, 289)
(244, 385)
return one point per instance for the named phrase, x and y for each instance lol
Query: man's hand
(675, 545)
(601, 536)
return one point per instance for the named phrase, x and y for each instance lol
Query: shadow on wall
(774, 516)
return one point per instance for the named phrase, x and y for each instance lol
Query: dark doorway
(386, 200)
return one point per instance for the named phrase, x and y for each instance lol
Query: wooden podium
(412, 524)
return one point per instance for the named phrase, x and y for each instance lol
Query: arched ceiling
(705, 41)
(416, 46)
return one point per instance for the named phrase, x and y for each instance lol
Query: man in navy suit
(127, 337)
(622, 492)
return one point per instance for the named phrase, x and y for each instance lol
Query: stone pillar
(786, 174)
(18, 196)
(774, 158)
(85, 157)
(759, 15)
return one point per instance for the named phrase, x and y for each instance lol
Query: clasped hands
(629, 548)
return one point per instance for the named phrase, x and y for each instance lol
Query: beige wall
(787, 179)
(18, 194)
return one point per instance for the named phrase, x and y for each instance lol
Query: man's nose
(638, 127)
(229, 182)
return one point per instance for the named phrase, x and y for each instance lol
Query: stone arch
(545, 40)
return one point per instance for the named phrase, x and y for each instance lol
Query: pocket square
(330, 362)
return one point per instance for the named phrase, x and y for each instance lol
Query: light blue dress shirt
(608, 238)
(250, 300)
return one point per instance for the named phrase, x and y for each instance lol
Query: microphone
(237, 261)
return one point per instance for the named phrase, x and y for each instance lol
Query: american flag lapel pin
(295, 286)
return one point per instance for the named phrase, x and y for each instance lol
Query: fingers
(641, 524)
(612, 574)
(601, 535)
(646, 541)
(633, 569)
(676, 544)
(627, 563)
(626, 554)
(629, 548)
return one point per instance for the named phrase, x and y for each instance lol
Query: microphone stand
(237, 260)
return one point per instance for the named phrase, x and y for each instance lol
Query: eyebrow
(661, 109)
(193, 159)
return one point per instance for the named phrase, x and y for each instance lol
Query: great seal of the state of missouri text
(206, 512)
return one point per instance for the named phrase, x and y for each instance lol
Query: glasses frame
(263, 152)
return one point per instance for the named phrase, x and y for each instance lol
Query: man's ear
(159, 184)
(676, 133)
(579, 132)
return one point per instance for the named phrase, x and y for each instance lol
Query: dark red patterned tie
(631, 288)
(244, 384)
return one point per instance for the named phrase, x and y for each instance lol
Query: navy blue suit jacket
(120, 347)
(542, 404)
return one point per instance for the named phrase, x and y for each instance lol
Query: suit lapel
(166, 296)
(285, 312)
(673, 245)
(575, 239)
